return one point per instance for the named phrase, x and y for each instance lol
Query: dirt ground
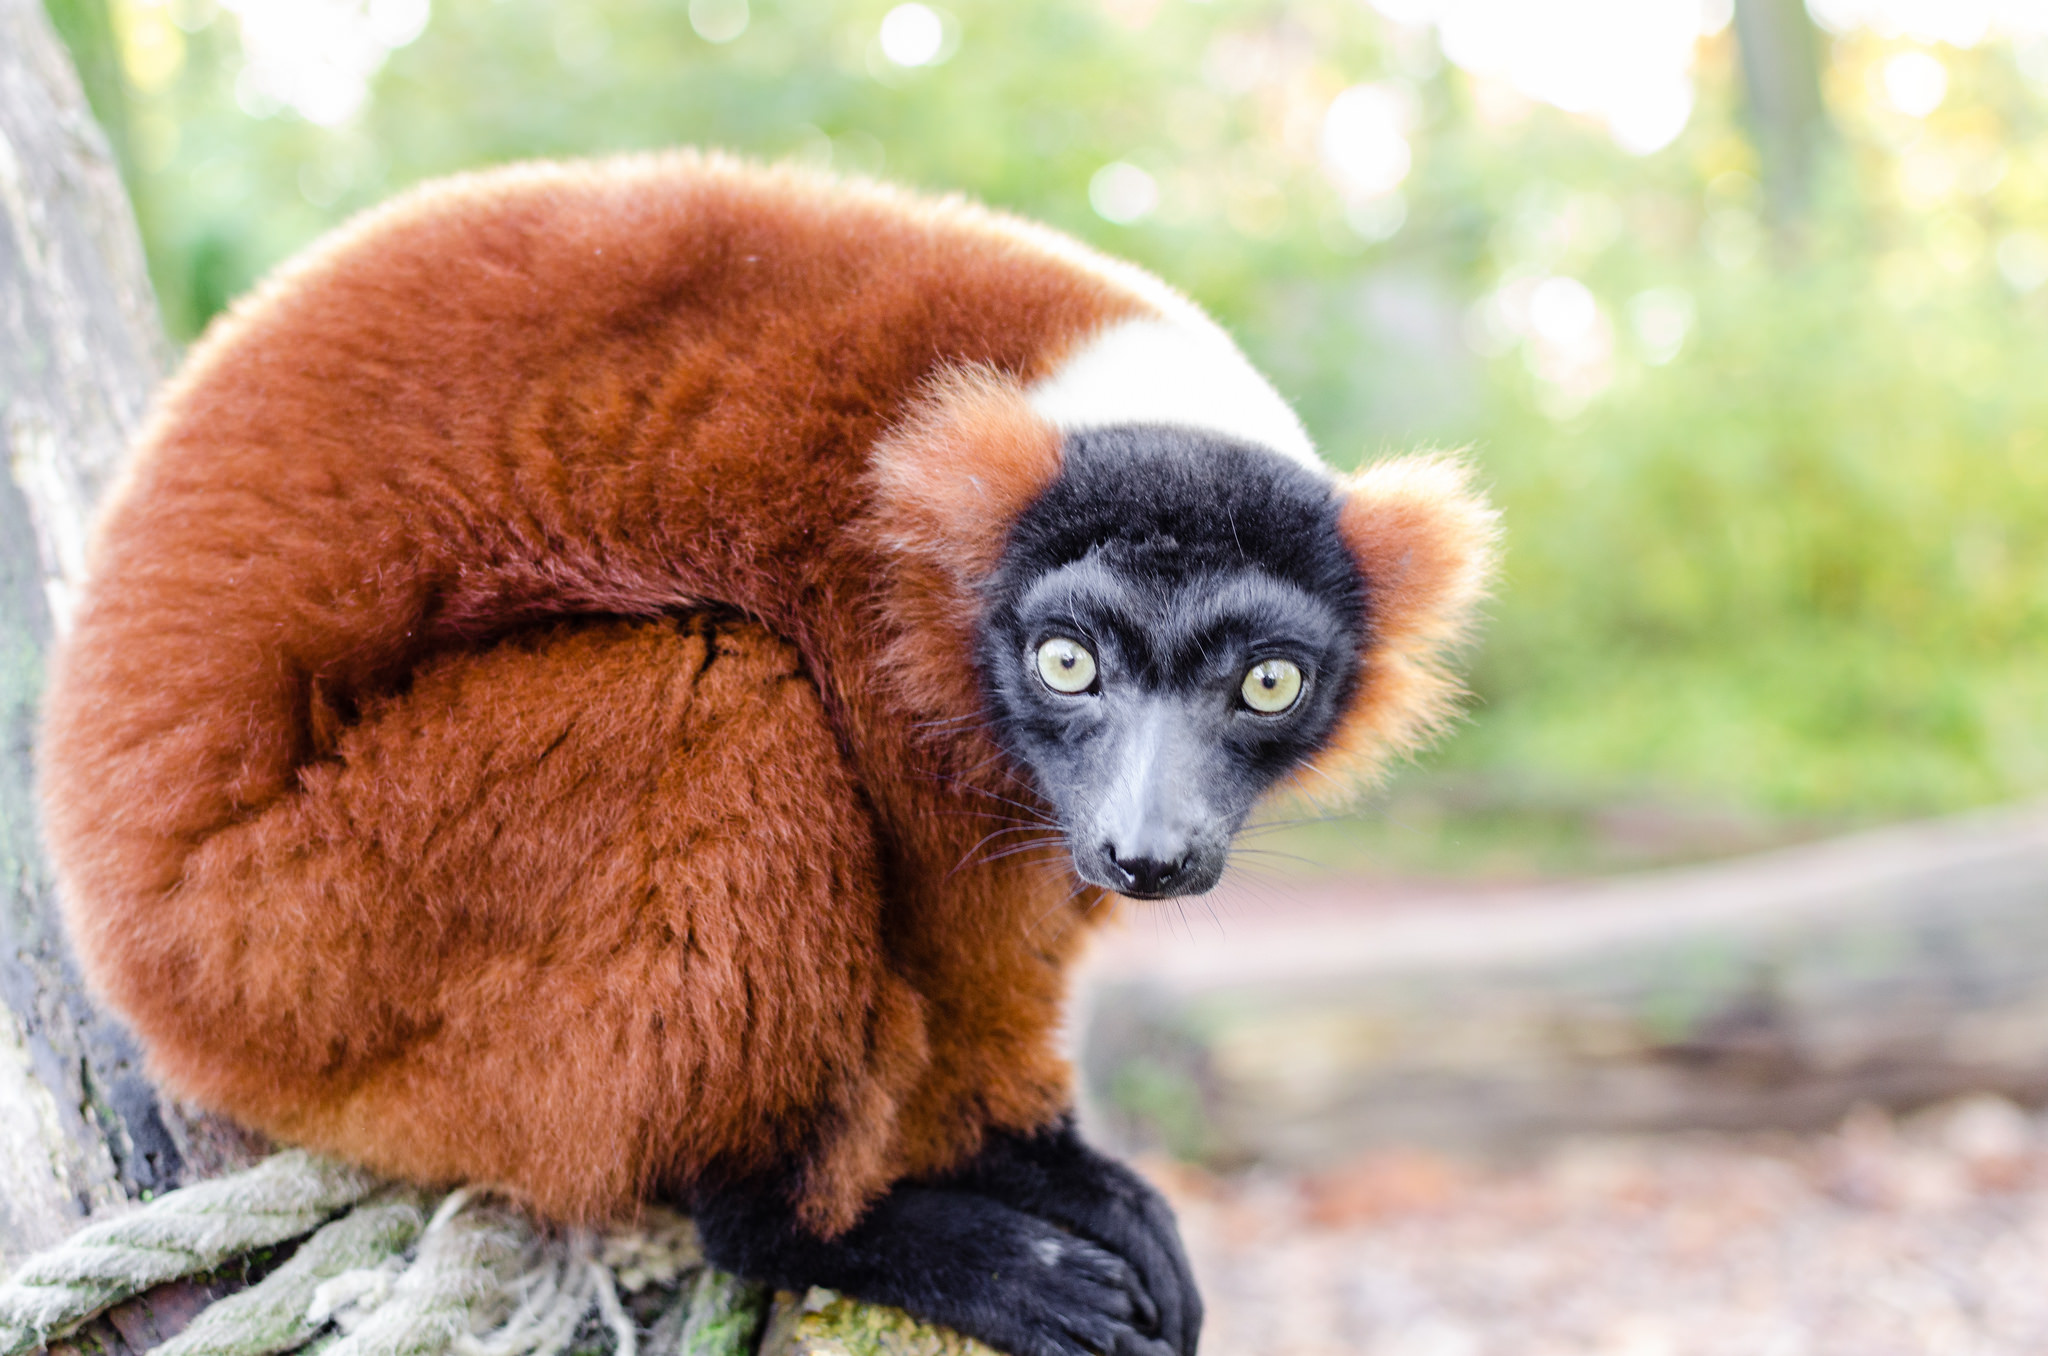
(1921, 1237)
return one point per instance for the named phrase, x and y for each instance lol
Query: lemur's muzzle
(1146, 826)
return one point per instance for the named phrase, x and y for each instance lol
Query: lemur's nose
(1148, 875)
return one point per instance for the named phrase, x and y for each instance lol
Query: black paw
(1022, 1285)
(1055, 1176)
(1025, 1286)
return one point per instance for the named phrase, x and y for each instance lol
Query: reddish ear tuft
(1424, 541)
(947, 485)
(950, 481)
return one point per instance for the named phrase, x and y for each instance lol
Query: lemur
(630, 681)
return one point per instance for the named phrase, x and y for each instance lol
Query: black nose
(1147, 875)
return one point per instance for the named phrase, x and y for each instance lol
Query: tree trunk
(80, 351)
(1787, 115)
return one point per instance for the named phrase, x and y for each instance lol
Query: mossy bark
(822, 1323)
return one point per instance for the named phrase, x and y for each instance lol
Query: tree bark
(80, 351)
(1780, 53)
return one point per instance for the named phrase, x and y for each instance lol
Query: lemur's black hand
(950, 1256)
(1056, 1176)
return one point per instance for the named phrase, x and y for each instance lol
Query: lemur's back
(671, 368)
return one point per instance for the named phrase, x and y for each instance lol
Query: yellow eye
(1066, 665)
(1271, 686)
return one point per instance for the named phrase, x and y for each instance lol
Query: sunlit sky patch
(1959, 23)
(1629, 62)
(1626, 62)
(317, 56)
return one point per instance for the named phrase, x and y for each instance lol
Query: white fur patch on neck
(1182, 371)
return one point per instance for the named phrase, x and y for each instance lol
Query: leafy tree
(1775, 536)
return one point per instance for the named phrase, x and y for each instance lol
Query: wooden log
(1895, 967)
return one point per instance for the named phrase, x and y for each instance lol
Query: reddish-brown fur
(522, 727)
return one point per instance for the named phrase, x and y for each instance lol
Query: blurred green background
(1740, 308)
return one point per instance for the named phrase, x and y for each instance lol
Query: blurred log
(1895, 967)
(80, 350)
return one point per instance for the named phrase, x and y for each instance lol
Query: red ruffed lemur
(568, 671)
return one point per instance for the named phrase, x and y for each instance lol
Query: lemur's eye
(1066, 665)
(1271, 686)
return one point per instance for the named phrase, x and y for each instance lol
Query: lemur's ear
(952, 478)
(1424, 541)
(948, 483)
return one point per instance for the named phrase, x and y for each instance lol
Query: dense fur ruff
(524, 724)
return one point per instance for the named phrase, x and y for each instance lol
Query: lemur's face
(1175, 626)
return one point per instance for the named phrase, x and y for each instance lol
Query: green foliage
(1811, 556)
(1784, 549)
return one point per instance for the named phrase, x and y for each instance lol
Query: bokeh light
(1122, 193)
(1661, 317)
(1959, 23)
(1915, 83)
(1626, 62)
(317, 56)
(912, 35)
(1364, 139)
(719, 21)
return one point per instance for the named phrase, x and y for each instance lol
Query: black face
(1176, 624)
